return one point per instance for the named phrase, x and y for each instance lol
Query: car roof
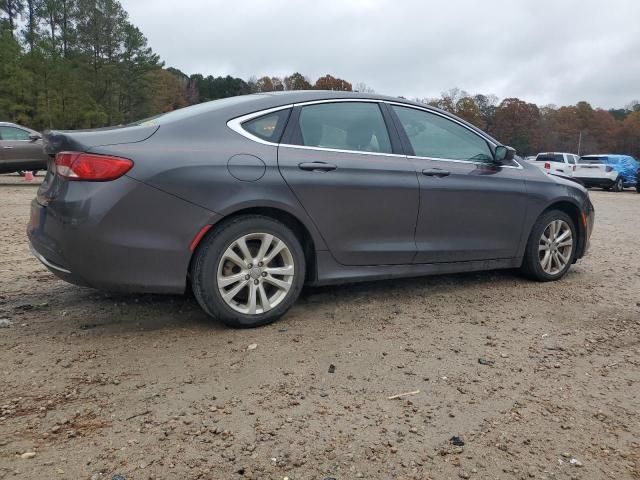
(256, 102)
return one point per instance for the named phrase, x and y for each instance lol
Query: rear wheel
(249, 272)
(619, 185)
(551, 247)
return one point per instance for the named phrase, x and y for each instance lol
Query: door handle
(317, 166)
(7, 148)
(435, 172)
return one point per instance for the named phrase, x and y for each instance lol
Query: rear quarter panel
(189, 159)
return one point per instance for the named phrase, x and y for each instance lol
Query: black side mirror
(504, 154)
(34, 136)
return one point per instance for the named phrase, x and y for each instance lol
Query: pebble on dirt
(253, 346)
(26, 455)
(456, 441)
(484, 361)
(5, 323)
(332, 368)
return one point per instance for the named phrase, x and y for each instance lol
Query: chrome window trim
(337, 150)
(235, 124)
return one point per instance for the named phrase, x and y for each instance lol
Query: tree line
(83, 64)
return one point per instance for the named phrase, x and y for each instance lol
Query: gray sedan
(20, 149)
(245, 200)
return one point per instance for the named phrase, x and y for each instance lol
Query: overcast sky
(542, 51)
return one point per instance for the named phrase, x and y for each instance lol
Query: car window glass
(345, 126)
(13, 133)
(571, 159)
(434, 136)
(268, 127)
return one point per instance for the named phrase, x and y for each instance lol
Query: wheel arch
(298, 227)
(575, 213)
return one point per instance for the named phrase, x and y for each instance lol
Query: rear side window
(572, 159)
(13, 133)
(357, 126)
(433, 136)
(550, 157)
(268, 127)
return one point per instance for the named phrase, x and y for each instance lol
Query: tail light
(90, 166)
(547, 165)
(608, 169)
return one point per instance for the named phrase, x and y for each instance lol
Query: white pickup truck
(557, 163)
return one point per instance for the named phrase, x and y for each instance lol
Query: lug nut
(256, 282)
(246, 277)
(259, 264)
(250, 266)
(264, 274)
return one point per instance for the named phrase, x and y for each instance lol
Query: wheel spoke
(234, 257)
(228, 296)
(252, 298)
(264, 247)
(264, 299)
(281, 284)
(545, 261)
(278, 247)
(543, 248)
(230, 280)
(242, 245)
(563, 235)
(286, 271)
(566, 243)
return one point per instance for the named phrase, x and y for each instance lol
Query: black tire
(531, 266)
(209, 253)
(619, 185)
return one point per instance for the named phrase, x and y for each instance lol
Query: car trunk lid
(56, 141)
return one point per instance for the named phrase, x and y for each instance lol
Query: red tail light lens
(608, 169)
(547, 165)
(90, 166)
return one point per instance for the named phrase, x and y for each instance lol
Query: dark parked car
(20, 149)
(248, 198)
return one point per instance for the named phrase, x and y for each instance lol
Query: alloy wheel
(255, 273)
(555, 247)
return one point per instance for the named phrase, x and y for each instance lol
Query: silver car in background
(20, 149)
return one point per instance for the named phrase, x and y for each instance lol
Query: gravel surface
(504, 378)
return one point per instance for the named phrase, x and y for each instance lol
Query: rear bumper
(597, 182)
(118, 236)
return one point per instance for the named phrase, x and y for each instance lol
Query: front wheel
(249, 271)
(619, 185)
(551, 247)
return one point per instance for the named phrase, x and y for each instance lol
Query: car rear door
(347, 169)
(470, 207)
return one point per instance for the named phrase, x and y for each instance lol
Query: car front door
(350, 175)
(470, 207)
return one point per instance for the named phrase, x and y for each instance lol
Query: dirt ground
(96, 385)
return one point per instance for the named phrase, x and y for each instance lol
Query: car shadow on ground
(96, 312)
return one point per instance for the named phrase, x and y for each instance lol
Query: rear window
(268, 127)
(550, 157)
